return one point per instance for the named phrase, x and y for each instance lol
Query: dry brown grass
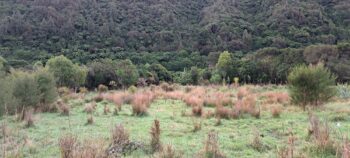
(63, 107)
(218, 99)
(29, 118)
(197, 125)
(276, 111)
(197, 110)
(345, 150)
(168, 152)
(106, 110)
(276, 97)
(68, 144)
(156, 144)
(89, 108)
(223, 112)
(211, 147)
(141, 102)
(174, 95)
(91, 148)
(320, 134)
(256, 143)
(289, 150)
(120, 135)
(90, 120)
(242, 92)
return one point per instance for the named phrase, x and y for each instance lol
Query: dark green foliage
(8, 103)
(84, 30)
(66, 73)
(26, 89)
(47, 87)
(311, 85)
(127, 73)
(101, 72)
(160, 72)
(4, 67)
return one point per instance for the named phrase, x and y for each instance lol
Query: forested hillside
(177, 33)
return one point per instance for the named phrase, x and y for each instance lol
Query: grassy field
(177, 128)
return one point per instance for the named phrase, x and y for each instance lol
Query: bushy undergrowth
(312, 85)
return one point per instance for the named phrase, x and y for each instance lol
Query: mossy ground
(235, 135)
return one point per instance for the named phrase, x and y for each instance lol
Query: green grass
(235, 136)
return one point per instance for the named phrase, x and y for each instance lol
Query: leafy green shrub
(101, 72)
(66, 73)
(46, 86)
(26, 89)
(8, 103)
(311, 85)
(127, 73)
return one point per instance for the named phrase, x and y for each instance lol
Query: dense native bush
(66, 73)
(127, 73)
(161, 73)
(311, 85)
(101, 72)
(8, 103)
(47, 87)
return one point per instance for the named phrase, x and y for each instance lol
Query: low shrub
(311, 85)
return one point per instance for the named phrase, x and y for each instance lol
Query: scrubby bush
(132, 89)
(8, 102)
(311, 85)
(127, 73)
(66, 73)
(68, 144)
(26, 89)
(102, 88)
(101, 72)
(47, 87)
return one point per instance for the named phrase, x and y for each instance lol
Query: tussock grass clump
(89, 108)
(289, 150)
(29, 118)
(257, 143)
(68, 144)
(242, 92)
(120, 135)
(211, 147)
(167, 87)
(276, 111)
(106, 110)
(91, 149)
(141, 102)
(320, 135)
(174, 95)
(90, 120)
(168, 152)
(197, 125)
(63, 107)
(223, 112)
(276, 98)
(197, 110)
(156, 144)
